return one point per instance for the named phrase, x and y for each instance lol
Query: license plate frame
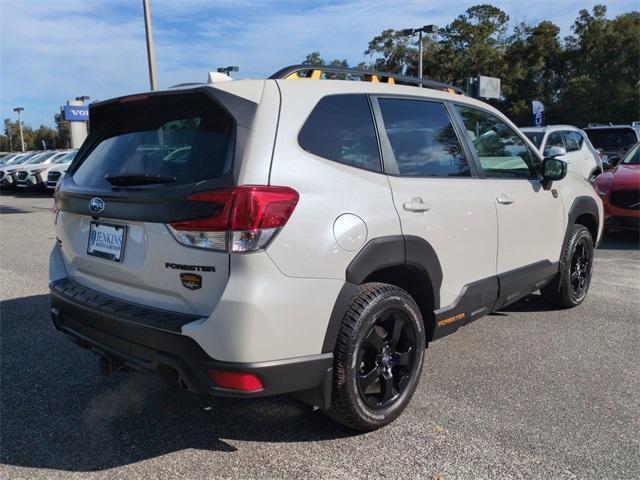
(116, 255)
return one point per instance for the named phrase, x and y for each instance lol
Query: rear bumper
(147, 339)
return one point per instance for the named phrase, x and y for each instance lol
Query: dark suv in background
(613, 141)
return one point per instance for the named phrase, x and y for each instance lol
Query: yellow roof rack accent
(321, 72)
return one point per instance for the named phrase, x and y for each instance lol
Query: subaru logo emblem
(96, 205)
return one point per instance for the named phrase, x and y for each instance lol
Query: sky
(55, 50)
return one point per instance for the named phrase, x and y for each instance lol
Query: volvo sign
(76, 113)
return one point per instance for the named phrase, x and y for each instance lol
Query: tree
(592, 75)
(535, 69)
(47, 135)
(603, 80)
(473, 43)
(12, 129)
(397, 52)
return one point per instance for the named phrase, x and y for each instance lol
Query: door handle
(505, 199)
(416, 205)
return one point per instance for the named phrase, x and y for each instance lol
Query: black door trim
(484, 296)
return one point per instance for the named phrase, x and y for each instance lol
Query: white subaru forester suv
(258, 237)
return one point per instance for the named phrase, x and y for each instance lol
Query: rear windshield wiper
(137, 179)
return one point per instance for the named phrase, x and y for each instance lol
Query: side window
(501, 151)
(340, 128)
(571, 141)
(555, 139)
(422, 138)
(578, 137)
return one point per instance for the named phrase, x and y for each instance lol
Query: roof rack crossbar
(314, 72)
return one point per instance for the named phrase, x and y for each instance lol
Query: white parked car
(581, 157)
(314, 238)
(57, 169)
(32, 174)
(8, 169)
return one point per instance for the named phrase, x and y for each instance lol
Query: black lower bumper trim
(630, 223)
(139, 346)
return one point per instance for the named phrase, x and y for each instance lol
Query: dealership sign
(76, 113)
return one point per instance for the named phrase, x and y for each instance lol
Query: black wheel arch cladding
(585, 209)
(379, 254)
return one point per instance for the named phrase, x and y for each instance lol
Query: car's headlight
(37, 170)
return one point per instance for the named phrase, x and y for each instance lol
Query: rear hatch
(130, 181)
(612, 141)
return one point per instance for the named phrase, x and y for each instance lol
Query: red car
(620, 191)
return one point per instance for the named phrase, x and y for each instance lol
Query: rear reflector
(245, 218)
(247, 382)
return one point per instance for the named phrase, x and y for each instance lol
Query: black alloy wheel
(569, 288)
(378, 357)
(580, 273)
(385, 359)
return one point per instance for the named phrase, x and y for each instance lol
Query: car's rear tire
(570, 287)
(378, 357)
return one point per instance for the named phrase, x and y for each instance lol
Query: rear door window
(340, 128)
(183, 139)
(422, 138)
(577, 136)
(570, 141)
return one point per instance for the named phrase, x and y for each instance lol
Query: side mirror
(553, 170)
(555, 151)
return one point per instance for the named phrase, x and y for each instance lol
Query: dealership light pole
(411, 32)
(19, 110)
(151, 56)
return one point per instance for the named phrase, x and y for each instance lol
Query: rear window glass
(612, 137)
(340, 128)
(185, 138)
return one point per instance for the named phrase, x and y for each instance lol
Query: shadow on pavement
(531, 303)
(57, 411)
(26, 193)
(5, 209)
(620, 240)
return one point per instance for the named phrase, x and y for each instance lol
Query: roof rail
(314, 72)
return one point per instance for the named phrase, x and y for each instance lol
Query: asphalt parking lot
(526, 392)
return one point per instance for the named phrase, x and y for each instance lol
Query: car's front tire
(378, 357)
(570, 287)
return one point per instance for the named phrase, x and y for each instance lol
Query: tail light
(245, 218)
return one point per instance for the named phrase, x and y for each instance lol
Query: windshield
(612, 137)
(22, 159)
(39, 158)
(633, 157)
(535, 137)
(182, 138)
(65, 158)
